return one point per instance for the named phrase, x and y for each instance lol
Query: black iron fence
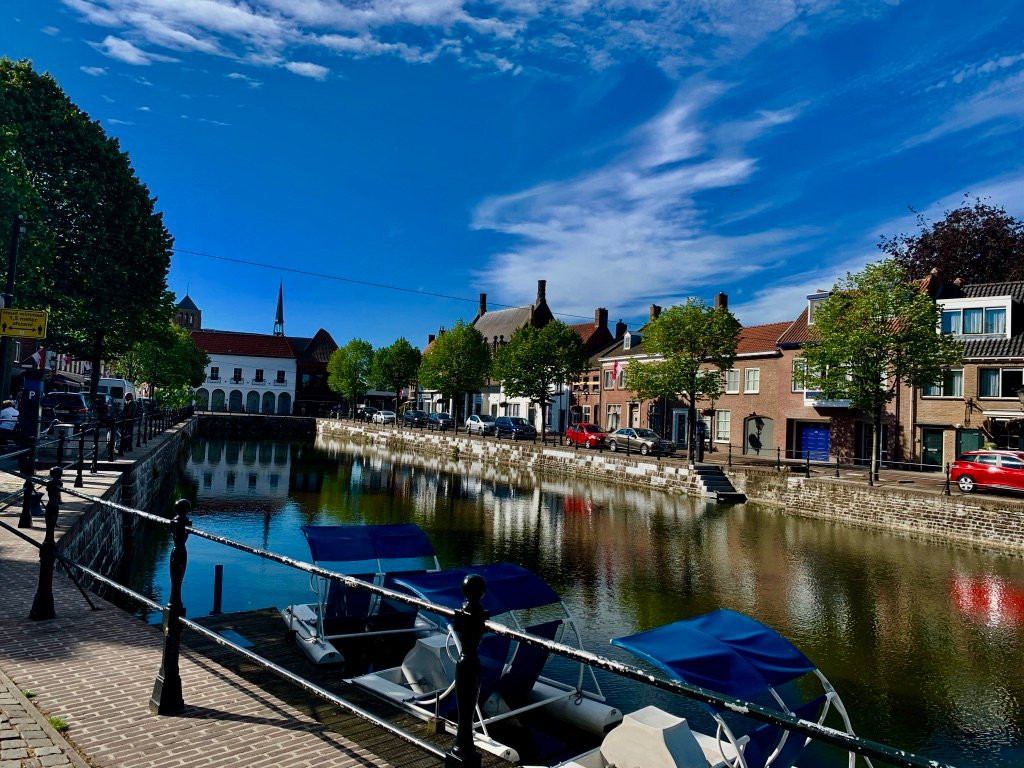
(469, 622)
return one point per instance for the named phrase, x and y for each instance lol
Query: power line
(351, 280)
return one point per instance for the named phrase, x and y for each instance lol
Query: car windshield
(646, 433)
(520, 421)
(485, 417)
(387, 413)
(441, 416)
(590, 427)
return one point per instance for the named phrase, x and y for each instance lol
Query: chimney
(430, 338)
(620, 330)
(541, 290)
(440, 331)
(655, 311)
(959, 282)
(483, 304)
(601, 317)
(721, 301)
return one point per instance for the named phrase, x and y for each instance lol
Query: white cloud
(115, 121)
(251, 81)
(94, 71)
(122, 50)
(306, 69)
(144, 109)
(51, 31)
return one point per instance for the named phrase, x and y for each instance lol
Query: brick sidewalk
(27, 740)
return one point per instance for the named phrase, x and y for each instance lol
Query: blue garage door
(814, 441)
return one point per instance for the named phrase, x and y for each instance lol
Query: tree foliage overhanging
(457, 362)
(348, 371)
(394, 367)
(978, 242)
(97, 254)
(169, 360)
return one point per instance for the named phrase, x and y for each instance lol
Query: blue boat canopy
(510, 587)
(351, 543)
(722, 650)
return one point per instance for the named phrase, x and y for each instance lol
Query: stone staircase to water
(716, 484)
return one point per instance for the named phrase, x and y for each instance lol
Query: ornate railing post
(167, 698)
(945, 487)
(28, 468)
(79, 482)
(778, 459)
(95, 448)
(111, 439)
(469, 628)
(42, 605)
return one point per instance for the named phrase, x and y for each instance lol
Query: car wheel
(966, 483)
(645, 449)
(613, 446)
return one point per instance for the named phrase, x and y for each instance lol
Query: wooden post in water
(167, 697)
(469, 628)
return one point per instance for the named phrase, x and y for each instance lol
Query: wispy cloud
(1002, 100)
(250, 81)
(637, 226)
(51, 31)
(306, 69)
(144, 109)
(122, 50)
(94, 71)
(115, 121)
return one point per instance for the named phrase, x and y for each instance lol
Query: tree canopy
(395, 367)
(537, 360)
(979, 242)
(457, 362)
(695, 343)
(348, 370)
(170, 360)
(105, 275)
(876, 331)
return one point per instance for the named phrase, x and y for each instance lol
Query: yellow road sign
(28, 323)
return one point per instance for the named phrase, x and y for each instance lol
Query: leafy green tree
(876, 331)
(981, 243)
(695, 343)
(457, 363)
(111, 252)
(348, 371)
(169, 361)
(395, 367)
(536, 361)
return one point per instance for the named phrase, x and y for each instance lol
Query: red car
(989, 469)
(587, 435)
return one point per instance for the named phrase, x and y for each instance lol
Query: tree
(876, 331)
(348, 371)
(536, 361)
(980, 243)
(395, 367)
(169, 361)
(695, 343)
(457, 363)
(106, 285)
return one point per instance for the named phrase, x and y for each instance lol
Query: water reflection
(923, 640)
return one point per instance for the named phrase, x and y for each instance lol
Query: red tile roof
(245, 344)
(760, 338)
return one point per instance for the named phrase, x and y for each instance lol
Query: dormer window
(974, 321)
(813, 302)
(630, 339)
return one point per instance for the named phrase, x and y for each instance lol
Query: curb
(58, 741)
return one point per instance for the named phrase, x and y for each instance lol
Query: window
(952, 385)
(974, 321)
(732, 381)
(614, 413)
(1011, 462)
(723, 424)
(1000, 382)
(214, 373)
(237, 376)
(751, 380)
(513, 409)
(585, 413)
(607, 379)
(799, 375)
(620, 380)
(259, 376)
(280, 377)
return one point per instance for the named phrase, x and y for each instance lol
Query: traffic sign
(27, 323)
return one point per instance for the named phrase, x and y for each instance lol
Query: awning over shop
(67, 379)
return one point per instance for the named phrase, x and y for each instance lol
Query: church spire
(279, 319)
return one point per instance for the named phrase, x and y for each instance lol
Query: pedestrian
(8, 422)
(129, 413)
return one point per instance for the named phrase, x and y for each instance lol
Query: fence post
(807, 463)
(111, 439)
(42, 604)
(730, 454)
(167, 698)
(778, 459)
(837, 465)
(79, 482)
(469, 629)
(28, 494)
(60, 448)
(945, 488)
(95, 447)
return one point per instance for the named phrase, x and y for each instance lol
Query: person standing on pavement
(130, 412)
(8, 421)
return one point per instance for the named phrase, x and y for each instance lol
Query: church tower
(279, 319)
(188, 315)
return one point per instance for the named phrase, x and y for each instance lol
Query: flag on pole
(36, 358)
(615, 371)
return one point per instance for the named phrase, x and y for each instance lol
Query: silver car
(480, 424)
(644, 441)
(384, 417)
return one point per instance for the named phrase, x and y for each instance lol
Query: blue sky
(628, 153)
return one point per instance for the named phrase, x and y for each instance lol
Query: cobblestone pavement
(27, 740)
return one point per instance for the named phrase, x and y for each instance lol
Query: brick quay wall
(985, 521)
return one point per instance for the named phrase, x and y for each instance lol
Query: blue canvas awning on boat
(722, 650)
(351, 543)
(510, 587)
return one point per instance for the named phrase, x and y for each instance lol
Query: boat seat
(527, 664)
(493, 655)
(347, 608)
(391, 614)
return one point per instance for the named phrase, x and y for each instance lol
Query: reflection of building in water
(257, 468)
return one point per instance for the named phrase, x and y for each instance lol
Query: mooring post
(42, 604)
(218, 588)
(28, 495)
(469, 629)
(79, 482)
(167, 698)
(945, 487)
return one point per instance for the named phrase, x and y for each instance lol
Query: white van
(116, 388)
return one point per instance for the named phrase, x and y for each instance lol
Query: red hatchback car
(587, 435)
(989, 469)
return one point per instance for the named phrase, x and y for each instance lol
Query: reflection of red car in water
(585, 434)
(576, 505)
(988, 598)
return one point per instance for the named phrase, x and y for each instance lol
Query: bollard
(945, 488)
(729, 463)
(837, 466)
(79, 482)
(469, 629)
(807, 463)
(95, 448)
(42, 604)
(28, 468)
(167, 698)
(778, 459)
(218, 587)
(871, 479)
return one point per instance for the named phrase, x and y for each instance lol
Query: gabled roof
(798, 332)
(503, 322)
(618, 349)
(188, 304)
(316, 350)
(760, 339)
(594, 336)
(243, 344)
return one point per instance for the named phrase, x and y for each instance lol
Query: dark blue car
(515, 427)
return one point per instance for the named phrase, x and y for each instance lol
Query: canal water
(924, 641)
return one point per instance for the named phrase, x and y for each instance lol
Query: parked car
(440, 421)
(644, 441)
(366, 412)
(989, 469)
(65, 407)
(585, 434)
(414, 418)
(480, 424)
(384, 417)
(515, 427)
